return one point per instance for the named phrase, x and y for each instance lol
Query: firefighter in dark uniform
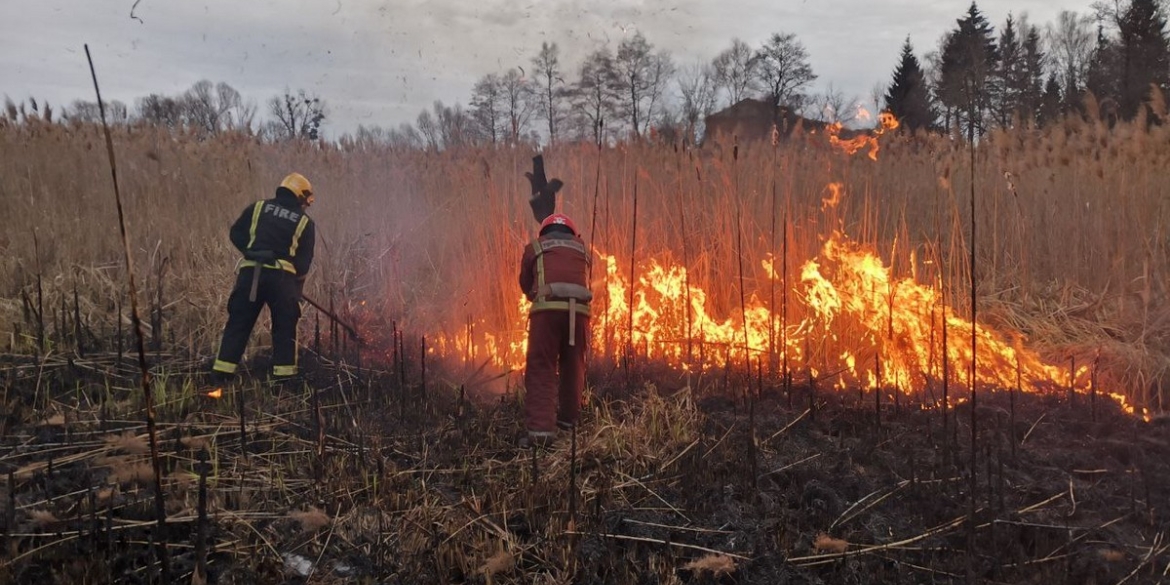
(554, 275)
(276, 238)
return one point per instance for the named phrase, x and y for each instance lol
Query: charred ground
(385, 474)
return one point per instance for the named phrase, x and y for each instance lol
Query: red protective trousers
(551, 399)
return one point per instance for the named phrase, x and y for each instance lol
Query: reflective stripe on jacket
(278, 226)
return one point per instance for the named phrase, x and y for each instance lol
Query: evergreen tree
(1006, 83)
(1102, 78)
(1144, 54)
(908, 97)
(1033, 89)
(969, 58)
(1051, 104)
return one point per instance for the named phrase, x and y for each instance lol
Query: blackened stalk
(423, 362)
(784, 309)
(739, 254)
(573, 476)
(596, 193)
(78, 341)
(772, 250)
(201, 523)
(682, 219)
(1012, 405)
(240, 400)
(40, 298)
(633, 273)
(148, 401)
(946, 366)
(971, 521)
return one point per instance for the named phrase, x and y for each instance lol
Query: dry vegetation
(380, 473)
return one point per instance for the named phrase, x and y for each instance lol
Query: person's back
(554, 275)
(277, 240)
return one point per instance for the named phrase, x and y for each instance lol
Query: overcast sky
(381, 62)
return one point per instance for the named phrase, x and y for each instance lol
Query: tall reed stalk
(160, 539)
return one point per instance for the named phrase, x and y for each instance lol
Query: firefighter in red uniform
(276, 238)
(554, 276)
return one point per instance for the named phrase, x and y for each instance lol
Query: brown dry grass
(717, 565)
(124, 471)
(311, 520)
(498, 564)
(42, 518)
(827, 544)
(1072, 227)
(129, 443)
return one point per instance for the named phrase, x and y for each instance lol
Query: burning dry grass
(396, 228)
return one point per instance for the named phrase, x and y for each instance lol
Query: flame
(886, 123)
(835, 190)
(853, 323)
(216, 394)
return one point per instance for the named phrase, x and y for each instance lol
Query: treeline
(978, 79)
(206, 109)
(975, 78)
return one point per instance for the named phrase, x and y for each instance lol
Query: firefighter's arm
(239, 232)
(526, 274)
(304, 258)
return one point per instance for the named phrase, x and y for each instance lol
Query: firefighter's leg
(540, 373)
(284, 303)
(572, 367)
(242, 315)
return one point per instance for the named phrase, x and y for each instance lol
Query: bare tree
(833, 106)
(234, 112)
(296, 117)
(595, 94)
(404, 137)
(547, 66)
(452, 126)
(698, 91)
(641, 77)
(201, 105)
(661, 71)
(87, 112)
(364, 138)
(162, 111)
(519, 100)
(782, 70)
(1071, 42)
(734, 70)
(487, 107)
(429, 130)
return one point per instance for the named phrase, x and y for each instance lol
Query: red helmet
(558, 219)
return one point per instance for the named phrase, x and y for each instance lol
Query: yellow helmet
(299, 185)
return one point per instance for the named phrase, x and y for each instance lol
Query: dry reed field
(774, 407)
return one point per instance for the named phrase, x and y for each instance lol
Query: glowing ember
(217, 393)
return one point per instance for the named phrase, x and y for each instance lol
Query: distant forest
(1115, 57)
